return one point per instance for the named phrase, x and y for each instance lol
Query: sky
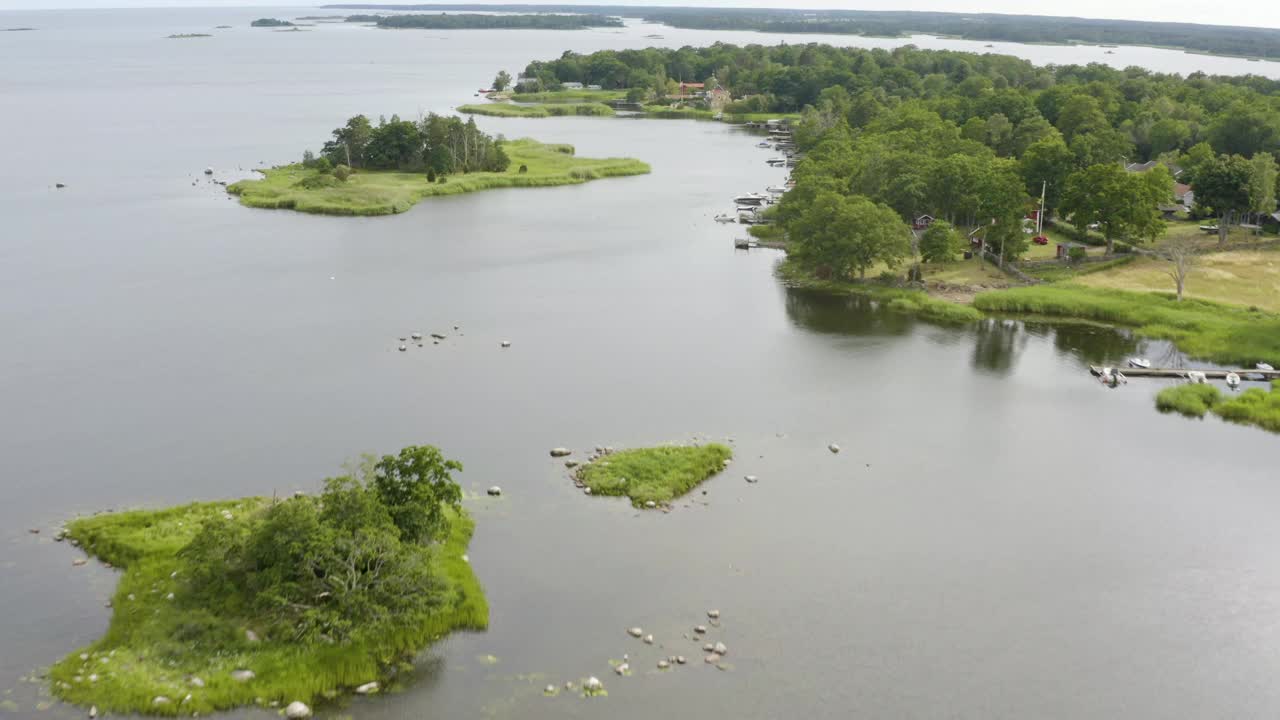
(1258, 13)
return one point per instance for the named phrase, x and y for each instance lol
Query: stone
(701, 629)
(368, 688)
(708, 648)
(571, 463)
(711, 659)
(251, 636)
(680, 660)
(404, 348)
(506, 343)
(752, 479)
(79, 561)
(561, 452)
(663, 664)
(196, 682)
(160, 700)
(635, 632)
(648, 639)
(586, 491)
(622, 668)
(416, 336)
(242, 675)
(495, 491)
(169, 596)
(713, 614)
(549, 690)
(93, 711)
(651, 504)
(592, 684)
(720, 649)
(34, 531)
(834, 448)
(297, 710)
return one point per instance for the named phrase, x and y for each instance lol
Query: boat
(1264, 367)
(725, 219)
(1233, 381)
(775, 190)
(1112, 377)
(752, 199)
(764, 144)
(748, 216)
(744, 243)
(777, 162)
(1137, 362)
(1197, 378)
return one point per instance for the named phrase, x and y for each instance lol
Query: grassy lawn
(964, 272)
(386, 192)
(567, 96)
(1242, 277)
(161, 644)
(657, 475)
(1226, 334)
(538, 111)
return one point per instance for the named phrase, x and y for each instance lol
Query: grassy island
(657, 475)
(538, 110)
(1254, 406)
(270, 22)
(384, 192)
(268, 602)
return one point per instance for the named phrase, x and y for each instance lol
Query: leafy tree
(1046, 166)
(349, 142)
(1262, 185)
(1121, 203)
(940, 242)
(502, 80)
(841, 235)
(1244, 129)
(1168, 134)
(1002, 197)
(1222, 186)
(416, 487)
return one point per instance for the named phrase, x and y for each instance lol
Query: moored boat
(1138, 362)
(1233, 381)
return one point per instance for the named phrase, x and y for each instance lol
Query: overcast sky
(1265, 13)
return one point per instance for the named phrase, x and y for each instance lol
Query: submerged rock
(560, 452)
(79, 561)
(752, 479)
(297, 710)
(711, 659)
(368, 688)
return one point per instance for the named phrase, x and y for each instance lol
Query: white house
(571, 85)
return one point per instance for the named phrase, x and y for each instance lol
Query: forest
(444, 21)
(435, 144)
(1218, 39)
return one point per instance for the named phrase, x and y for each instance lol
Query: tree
(502, 81)
(1262, 185)
(349, 141)
(940, 242)
(1046, 165)
(416, 487)
(1222, 185)
(841, 235)
(1121, 203)
(1002, 200)
(1181, 254)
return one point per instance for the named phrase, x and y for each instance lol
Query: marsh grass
(388, 192)
(1212, 331)
(570, 96)
(154, 645)
(539, 111)
(1192, 400)
(1254, 406)
(658, 474)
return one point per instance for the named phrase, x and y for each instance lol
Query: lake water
(1001, 537)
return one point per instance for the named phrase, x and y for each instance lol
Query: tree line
(445, 21)
(435, 144)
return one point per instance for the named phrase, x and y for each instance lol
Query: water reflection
(997, 345)
(1094, 344)
(851, 315)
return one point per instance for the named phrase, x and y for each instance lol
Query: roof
(692, 85)
(1180, 189)
(1150, 164)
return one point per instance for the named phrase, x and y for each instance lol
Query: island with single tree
(280, 603)
(386, 168)
(446, 21)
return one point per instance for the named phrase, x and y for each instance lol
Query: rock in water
(663, 664)
(711, 659)
(506, 343)
(708, 648)
(713, 614)
(834, 448)
(648, 639)
(93, 712)
(635, 632)
(297, 710)
(701, 629)
(560, 452)
(651, 504)
(368, 688)
(592, 685)
(622, 669)
(680, 660)
(571, 463)
(720, 649)
(495, 491)
(752, 479)
(79, 561)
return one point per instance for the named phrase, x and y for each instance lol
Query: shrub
(1077, 254)
(524, 169)
(431, 175)
(1192, 400)
(342, 172)
(940, 243)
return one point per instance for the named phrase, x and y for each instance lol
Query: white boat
(775, 190)
(1233, 381)
(1112, 377)
(1263, 366)
(777, 162)
(1197, 377)
(764, 144)
(752, 199)
(1137, 362)
(725, 219)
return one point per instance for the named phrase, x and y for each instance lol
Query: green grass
(1255, 406)
(1062, 273)
(538, 111)
(387, 192)
(914, 302)
(1212, 331)
(146, 651)
(1239, 277)
(1192, 400)
(570, 96)
(657, 475)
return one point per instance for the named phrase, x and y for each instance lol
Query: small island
(387, 168)
(538, 110)
(277, 602)
(653, 477)
(271, 23)
(475, 21)
(184, 36)
(1254, 406)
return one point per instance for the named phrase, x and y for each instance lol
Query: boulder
(561, 452)
(79, 561)
(571, 463)
(592, 684)
(751, 479)
(622, 668)
(368, 688)
(663, 664)
(834, 448)
(713, 614)
(495, 491)
(242, 675)
(711, 659)
(160, 700)
(297, 710)
(651, 504)
(680, 660)
(708, 648)
(506, 343)
(586, 491)
(720, 649)
(648, 639)
(700, 629)
(635, 632)
(93, 712)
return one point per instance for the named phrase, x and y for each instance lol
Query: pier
(1133, 372)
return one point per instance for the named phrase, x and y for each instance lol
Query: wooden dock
(1134, 372)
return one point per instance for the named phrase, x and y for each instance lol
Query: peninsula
(275, 602)
(387, 168)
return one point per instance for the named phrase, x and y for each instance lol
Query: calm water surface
(1000, 538)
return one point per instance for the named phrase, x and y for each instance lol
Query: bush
(342, 172)
(431, 175)
(940, 243)
(524, 169)
(1077, 254)
(323, 164)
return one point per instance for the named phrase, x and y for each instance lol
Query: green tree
(841, 235)
(1002, 198)
(502, 81)
(1262, 185)
(1046, 165)
(1168, 134)
(940, 242)
(1223, 187)
(349, 142)
(416, 486)
(1121, 203)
